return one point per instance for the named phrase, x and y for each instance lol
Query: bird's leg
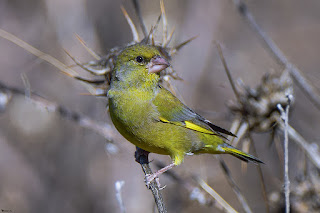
(151, 177)
(141, 156)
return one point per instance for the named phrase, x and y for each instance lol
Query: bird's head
(139, 60)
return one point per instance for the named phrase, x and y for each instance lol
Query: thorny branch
(302, 82)
(102, 128)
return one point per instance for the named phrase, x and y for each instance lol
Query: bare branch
(227, 71)
(196, 193)
(142, 158)
(102, 128)
(226, 206)
(285, 119)
(310, 149)
(234, 186)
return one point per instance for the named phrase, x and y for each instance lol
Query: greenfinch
(153, 119)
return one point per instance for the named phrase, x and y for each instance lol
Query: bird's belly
(138, 122)
(134, 118)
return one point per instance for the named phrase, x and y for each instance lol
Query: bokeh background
(50, 164)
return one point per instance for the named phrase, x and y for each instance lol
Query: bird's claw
(150, 177)
(159, 185)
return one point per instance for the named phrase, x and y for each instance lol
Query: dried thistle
(103, 66)
(258, 106)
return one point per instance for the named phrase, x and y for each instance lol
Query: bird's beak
(157, 64)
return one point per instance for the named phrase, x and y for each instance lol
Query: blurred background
(50, 164)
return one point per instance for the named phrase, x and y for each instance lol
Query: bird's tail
(240, 154)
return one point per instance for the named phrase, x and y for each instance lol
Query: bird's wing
(173, 111)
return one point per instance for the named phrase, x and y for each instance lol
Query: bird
(153, 119)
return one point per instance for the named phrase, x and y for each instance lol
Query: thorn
(164, 22)
(90, 51)
(89, 81)
(100, 94)
(157, 22)
(96, 71)
(178, 47)
(51, 60)
(27, 85)
(152, 40)
(168, 40)
(152, 30)
(143, 26)
(134, 31)
(88, 68)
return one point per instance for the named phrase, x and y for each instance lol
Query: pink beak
(157, 64)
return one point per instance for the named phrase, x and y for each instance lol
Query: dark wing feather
(219, 129)
(172, 110)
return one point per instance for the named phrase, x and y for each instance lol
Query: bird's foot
(159, 185)
(150, 177)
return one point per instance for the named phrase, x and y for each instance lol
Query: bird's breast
(131, 109)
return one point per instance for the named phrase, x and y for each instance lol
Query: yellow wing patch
(189, 125)
(195, 127)
(164, 120)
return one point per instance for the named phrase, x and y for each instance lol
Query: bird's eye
(139, 59)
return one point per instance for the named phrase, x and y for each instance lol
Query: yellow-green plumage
(152, 118)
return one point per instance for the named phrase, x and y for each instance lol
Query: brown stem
(141, 157)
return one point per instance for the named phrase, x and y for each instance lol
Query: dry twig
(102, 128)
(196, 193)
(226, 207)
(234, 186)
(285, 119)
(142, 157)
(243, 128)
